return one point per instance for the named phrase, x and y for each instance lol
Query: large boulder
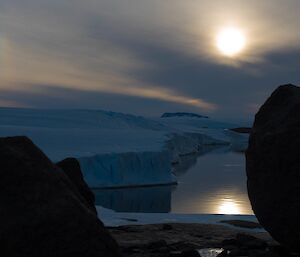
(273, 166)
(42, 212)
(72, 169)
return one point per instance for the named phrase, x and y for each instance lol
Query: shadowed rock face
(42, 212)
(273, 166)
(72, 169)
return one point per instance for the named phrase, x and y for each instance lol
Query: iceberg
(238, 141)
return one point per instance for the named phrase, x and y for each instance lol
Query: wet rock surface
(242, 223)
(273, 166)
(43, 213)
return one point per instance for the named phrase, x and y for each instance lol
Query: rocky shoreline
(189, 240)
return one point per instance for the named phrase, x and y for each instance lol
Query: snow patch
(112, 219)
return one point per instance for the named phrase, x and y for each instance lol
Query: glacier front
(127, 169)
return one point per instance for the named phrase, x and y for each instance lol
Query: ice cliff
(127, 169)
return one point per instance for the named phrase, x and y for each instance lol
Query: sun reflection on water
(228, 206)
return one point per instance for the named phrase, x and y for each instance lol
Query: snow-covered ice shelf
(114, 149)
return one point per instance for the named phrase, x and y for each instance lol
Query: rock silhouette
(42, 212)
(71, 167)
(273, 166)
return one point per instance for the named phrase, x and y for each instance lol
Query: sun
(230, 41)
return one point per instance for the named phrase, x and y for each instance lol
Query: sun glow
(230, 41)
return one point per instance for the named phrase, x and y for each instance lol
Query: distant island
(183, 114)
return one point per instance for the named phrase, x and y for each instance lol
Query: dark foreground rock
(71, 167)
(42, 212)
(273, 166)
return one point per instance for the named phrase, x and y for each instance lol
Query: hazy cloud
(159, 50)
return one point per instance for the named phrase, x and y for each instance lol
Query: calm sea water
(214, 182)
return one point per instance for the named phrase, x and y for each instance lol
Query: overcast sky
(146, 56)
